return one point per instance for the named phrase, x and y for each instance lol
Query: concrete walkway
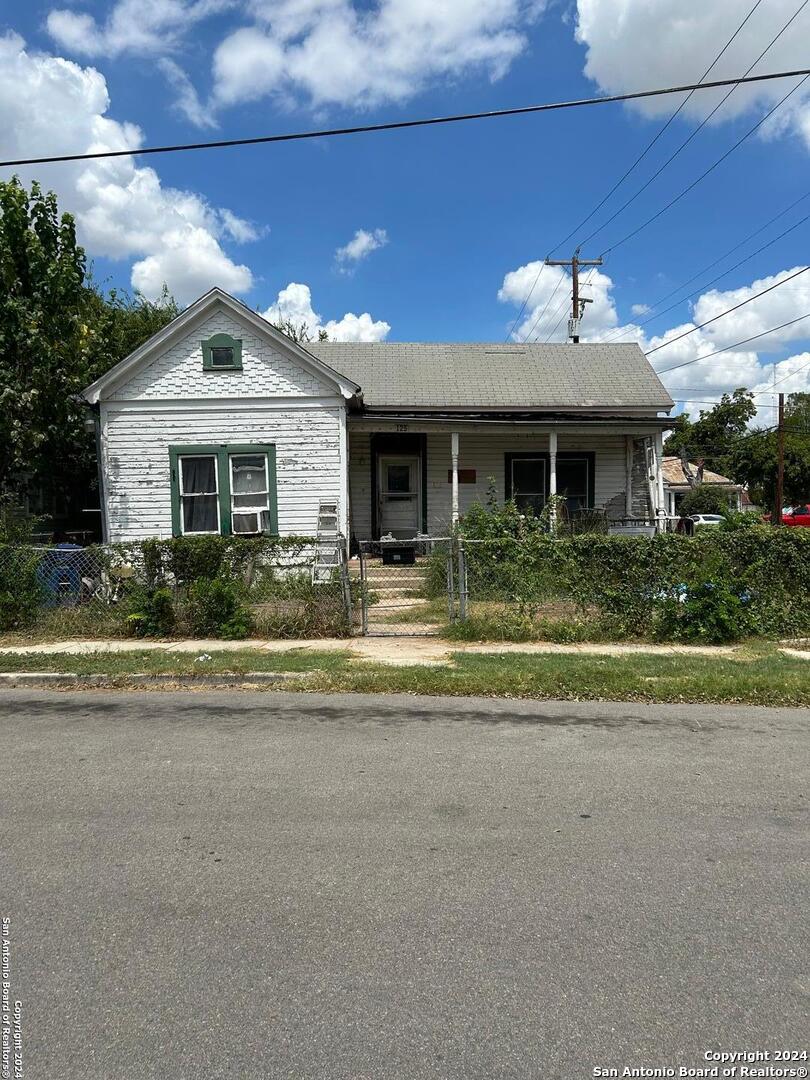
(384, 650)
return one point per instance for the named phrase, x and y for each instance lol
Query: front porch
(417, 476)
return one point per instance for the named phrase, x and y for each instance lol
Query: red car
(795, 515)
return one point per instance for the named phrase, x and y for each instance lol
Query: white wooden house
(220, 423)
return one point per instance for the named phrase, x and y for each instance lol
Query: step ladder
(328, 543)
(331, 557)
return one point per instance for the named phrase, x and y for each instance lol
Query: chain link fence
(406, 587)
(112, 590)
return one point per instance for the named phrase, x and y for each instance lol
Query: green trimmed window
(224, 490)
(222, 353)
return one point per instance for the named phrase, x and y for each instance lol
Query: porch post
(628, 476)
(454, 459)
(552, 476)
(659, 480)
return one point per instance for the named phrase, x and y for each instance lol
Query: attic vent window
(222, 353)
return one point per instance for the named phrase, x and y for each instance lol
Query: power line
(657, 135)
(736, 345)
(728, 311)
(526, 301)
(655, 314)
(711, 168)
(695, 132)
(562, 306)
(785, 378)
(560, 280)
(396, 125)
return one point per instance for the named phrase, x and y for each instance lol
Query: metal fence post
(462, 582)
(363, 592)
(451, 599)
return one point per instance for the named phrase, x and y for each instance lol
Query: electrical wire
(693, 133)
(731, 348)
(728, 311)
(677, 198)
(397, 125)
(655, 314)
(657, 135)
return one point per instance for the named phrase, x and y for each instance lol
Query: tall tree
(58, 332)
(712, 437)
(42, 337)
(754, 459)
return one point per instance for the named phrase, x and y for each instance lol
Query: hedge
(666, 585)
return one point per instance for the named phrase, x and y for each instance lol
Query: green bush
(149, 612)
(215, 608)
(185, 559)
(705, 499)
(751, 580)
(20, 591)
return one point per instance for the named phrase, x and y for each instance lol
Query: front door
(399, 495)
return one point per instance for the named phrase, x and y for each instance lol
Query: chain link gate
(410, 587)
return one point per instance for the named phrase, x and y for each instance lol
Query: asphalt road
(218, 885)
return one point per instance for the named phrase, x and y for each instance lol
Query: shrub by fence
(229, 587)
(719, 585)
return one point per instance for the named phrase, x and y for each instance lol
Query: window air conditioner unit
(250, 521)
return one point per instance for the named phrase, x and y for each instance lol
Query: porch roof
(480, 377)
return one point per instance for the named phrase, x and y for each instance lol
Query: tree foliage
(58, 332)
(706, 499)
(712, 437)
(299, 332)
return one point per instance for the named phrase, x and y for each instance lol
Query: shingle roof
(482, 376)
(672, 468)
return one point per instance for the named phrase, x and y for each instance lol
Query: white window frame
(258, 509)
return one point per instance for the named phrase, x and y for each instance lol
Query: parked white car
(707, 519)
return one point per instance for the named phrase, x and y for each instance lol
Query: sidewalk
(383, 650)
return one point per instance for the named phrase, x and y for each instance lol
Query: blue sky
(451, 220)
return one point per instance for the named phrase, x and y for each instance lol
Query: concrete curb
(44, 679)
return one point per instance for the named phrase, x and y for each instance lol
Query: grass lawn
(759, 675)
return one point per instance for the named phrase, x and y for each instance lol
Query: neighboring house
(677, 483)
(221, 423)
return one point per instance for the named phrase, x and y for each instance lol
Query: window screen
(249, 491)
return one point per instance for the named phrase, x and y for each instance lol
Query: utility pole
(577, 304)
(780, 463)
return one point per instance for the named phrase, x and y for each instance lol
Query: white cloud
(640, 309)
(122, 210)
(342, 52)
(695, 380)
(190, 260)
(295, 304)
(637, 44)
(187, 101)
(144, 27)
(360, 247)
(546, 314)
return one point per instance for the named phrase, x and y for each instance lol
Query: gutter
(555, 420)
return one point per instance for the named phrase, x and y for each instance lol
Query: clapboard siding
(485, 452)
(178, 373)
(135, 449)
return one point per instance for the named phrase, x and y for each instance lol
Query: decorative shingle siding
(274, 399)
(178, 372)
(136, 460)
